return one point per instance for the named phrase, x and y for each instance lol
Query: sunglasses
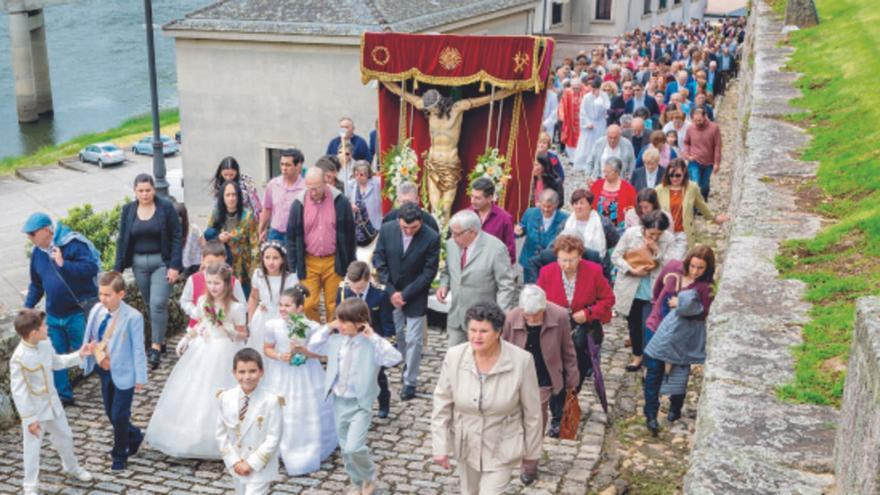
(676, 176)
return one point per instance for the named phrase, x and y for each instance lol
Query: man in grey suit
(477, 269)
(612, 145)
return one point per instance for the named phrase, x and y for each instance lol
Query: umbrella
(598, 381)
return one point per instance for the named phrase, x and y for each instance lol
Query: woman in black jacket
(150, 242)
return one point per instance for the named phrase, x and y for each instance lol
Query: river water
(98, 67)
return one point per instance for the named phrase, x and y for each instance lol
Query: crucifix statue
(443, 166)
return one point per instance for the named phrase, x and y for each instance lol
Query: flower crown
(273, 244)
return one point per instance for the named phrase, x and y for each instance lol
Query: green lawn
(125, 134)
(840, 61)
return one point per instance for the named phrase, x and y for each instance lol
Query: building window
(676, 2)
(603, 10)
(273, 160)
(556, 14)
(662, 5)
(647, 6)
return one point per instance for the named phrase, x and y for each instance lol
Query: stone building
(613, 17)
(256, 76)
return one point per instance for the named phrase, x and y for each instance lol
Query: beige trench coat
(626, 285)
(504, 428)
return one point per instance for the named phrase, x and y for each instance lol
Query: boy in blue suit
(357, 284)
(120, 360)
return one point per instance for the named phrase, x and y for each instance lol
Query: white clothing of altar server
(185, 428)
(254, 438)
(594, 109)
(269, 289)
(32, 387)
(309, 434)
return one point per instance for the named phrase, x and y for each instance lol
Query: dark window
(676, 2)
(603, 10)
(662, 5)
(556, 14)
(273, 158)
(647, 6)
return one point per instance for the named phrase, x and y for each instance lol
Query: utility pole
(158, 148)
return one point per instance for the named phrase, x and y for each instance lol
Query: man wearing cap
(64, 266)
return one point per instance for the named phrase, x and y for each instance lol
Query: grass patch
(123, 135)
(842, 262)
(778, 6)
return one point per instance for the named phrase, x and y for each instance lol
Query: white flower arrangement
(401, 164)
(491, 164)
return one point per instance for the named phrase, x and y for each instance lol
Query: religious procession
(305, 295)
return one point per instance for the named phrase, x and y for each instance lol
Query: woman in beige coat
(487, 406)
(632, 288)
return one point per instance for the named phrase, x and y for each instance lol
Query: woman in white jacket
(587, 221)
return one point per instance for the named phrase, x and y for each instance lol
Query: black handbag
(364, 232)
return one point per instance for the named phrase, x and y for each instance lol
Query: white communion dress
(309, 433)
(185, 419)
(269, 289)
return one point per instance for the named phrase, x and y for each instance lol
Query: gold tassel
(482, 86)
(415, 84)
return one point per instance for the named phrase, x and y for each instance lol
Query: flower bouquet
(297, 327)
(400, 164)
(491, 164)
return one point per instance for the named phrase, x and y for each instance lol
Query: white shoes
(79, 473)
(369, 487)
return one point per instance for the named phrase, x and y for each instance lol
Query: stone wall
(747, 441)
(9, 340)
(857, 450)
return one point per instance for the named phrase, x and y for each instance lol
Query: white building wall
(627, 15)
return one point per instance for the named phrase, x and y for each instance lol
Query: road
(54, 190)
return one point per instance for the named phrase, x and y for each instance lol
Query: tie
(463, 257)
(103, 327)
(244, 406)
(406, 243)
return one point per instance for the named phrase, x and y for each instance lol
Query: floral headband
(273, 244)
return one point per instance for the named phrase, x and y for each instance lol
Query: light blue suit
(128, 358)
(353, 415)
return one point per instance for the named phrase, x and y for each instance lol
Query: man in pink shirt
(280, 192)
(496, 221)
(702, 149)
(320, 241)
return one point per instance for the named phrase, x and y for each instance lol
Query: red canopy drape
(473, 64)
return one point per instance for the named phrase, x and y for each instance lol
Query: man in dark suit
(357, 284)
(641, 99)
(407, 192)
(651, 174)
(406, 257)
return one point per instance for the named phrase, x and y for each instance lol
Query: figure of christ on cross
(443, 166)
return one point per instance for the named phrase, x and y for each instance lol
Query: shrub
(100, 228)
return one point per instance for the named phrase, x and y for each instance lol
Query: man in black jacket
(406, 257)
(407, 192)
(320, 241)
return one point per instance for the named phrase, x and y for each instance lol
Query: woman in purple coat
(681, 299)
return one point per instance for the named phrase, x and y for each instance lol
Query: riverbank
(123, 135)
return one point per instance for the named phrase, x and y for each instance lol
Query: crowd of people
(291, 334)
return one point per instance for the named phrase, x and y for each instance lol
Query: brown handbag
(640, 257)
(571, 417)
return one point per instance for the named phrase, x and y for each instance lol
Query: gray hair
(532, 299)
(615, 163)
(467, 220)
(407, 187)
(573, 233)
(549, 195)
(626, 120)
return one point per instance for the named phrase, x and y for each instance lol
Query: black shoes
(654, 426)
(634, 367)
(154, 358)
(68, 402)
(554, 431)
(527, 479)
(408, 393)
(383, 413)
(118, 465)
(673, 416)
(164, 349)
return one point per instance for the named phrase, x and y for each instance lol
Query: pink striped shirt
(319, 222)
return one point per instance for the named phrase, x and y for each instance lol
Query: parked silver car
(102, 154)
(145, 146)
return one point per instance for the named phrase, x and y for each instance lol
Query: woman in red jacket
(579, 286)
(614, 196)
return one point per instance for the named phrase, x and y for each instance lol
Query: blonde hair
(223, 271)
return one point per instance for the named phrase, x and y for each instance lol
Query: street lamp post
(158, 151)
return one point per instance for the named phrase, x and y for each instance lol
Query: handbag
(640, 257)
(571, 417)
(364, 232)
(85, 305)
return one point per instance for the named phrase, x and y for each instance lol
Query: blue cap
(36, 222)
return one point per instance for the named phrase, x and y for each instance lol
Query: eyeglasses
(676, 176)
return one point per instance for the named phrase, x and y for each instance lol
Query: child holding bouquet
(309, 435)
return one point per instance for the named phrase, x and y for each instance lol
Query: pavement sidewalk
(54, 190)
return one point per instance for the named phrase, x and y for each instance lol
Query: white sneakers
(79, 473)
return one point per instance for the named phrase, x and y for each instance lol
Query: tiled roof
(336, 17)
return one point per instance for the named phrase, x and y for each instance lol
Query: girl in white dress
(269, 281)
(309, 433)
(185, 418)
